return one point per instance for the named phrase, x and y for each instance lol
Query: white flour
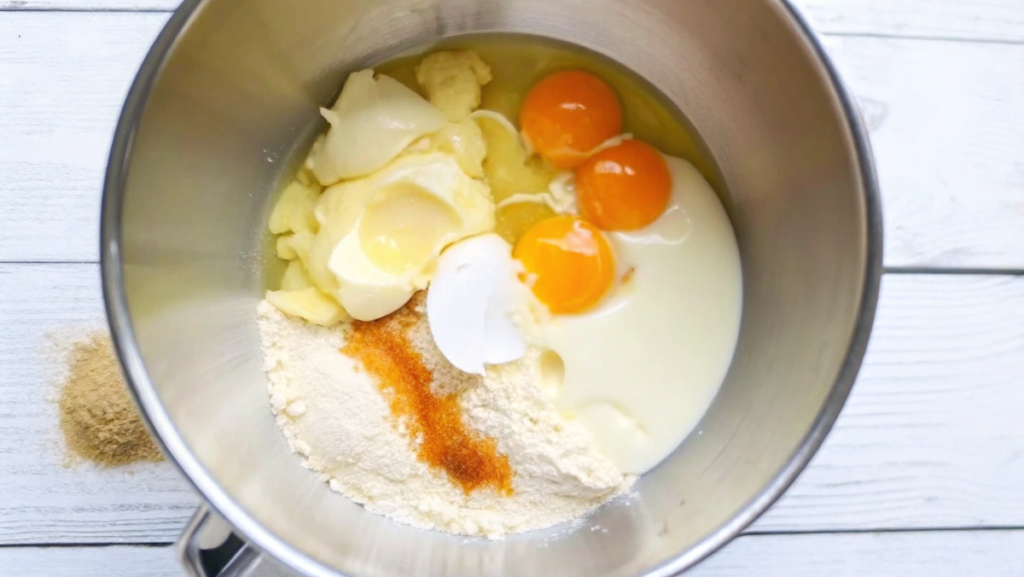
(333, 415)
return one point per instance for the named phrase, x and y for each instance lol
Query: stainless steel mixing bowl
(230, 92)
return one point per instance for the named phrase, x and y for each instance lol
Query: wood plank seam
(938, 214)
(22, 7)
(921, 37)
(979, 22)
(902, 531)
(48, 545)
(9, 8)
(998, 554)
(995, 271)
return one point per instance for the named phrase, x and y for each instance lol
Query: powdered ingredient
(433, 417)
(334, 415)
(99, 419)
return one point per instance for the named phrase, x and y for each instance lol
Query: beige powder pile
(98, 417)
(336, 415)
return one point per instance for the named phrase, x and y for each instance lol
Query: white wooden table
(924, 473)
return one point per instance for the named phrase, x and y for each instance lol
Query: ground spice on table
(100, 421)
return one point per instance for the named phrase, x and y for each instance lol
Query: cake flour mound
(334, 416)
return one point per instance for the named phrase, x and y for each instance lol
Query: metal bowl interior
(229, 94)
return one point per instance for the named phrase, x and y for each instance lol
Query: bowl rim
(159, 423)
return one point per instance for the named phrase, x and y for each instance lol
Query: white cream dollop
(380, 236)
(471, 303)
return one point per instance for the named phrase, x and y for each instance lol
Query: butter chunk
(295, 246)
(295, 277)
(309, 304)
(293, 212)
(452, 81)
(372, 122)
(380, 236)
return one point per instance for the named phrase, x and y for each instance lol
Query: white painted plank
(1001, 20)
(931, 554)
(63, 79)
(90, 5)
(946, 122)
(946, 116)
(932, 436)
(122, 561)
(972, 20)
(41, 500)
(926, 554)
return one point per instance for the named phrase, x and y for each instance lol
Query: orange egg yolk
(568, 263)
(625, 187)
(568, 114)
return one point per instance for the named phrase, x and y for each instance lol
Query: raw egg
(624, 187)
(567, 263)
(642, 366)
(569, 114)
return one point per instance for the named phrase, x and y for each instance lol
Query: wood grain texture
(90, 5)
(930, 554)
(121, 561)
(41, 499)
(971, 20)
(999, 20)
(63, 79)
(934, 554)
(945, 118)
(932, 436)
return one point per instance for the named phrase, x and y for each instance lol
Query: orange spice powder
(386, 352)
